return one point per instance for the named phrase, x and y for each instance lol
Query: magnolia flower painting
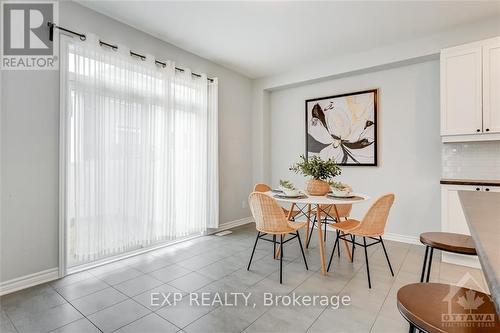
(343, 127)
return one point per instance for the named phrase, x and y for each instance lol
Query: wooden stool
(445, 241)
(437, 307)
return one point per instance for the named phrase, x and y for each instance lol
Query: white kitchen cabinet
(470, 92)
(491, 86)
(453, 220)
(461, 96)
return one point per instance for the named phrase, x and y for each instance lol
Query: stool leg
(425, 262)
(412, 328)
(429, 267)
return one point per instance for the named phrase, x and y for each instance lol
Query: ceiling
(260, 39)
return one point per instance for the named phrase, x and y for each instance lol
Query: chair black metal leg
(281, 259)
(367, 265)
(333, 252)
(429, 267)
(274, 246)
(412, 328)
(253, 251)
(425, 264)
(282, 250)
(386, 256)
(324, 236)
(311, 232)
(302, 250)
(353, 238)
(353, 245)
(338, 252)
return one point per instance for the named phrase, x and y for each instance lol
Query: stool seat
(450, 242)
(437, 307)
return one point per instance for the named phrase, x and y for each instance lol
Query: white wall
(409, 145)
(386, 56)
(30, 148)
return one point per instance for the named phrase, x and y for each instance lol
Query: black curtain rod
(53, 26)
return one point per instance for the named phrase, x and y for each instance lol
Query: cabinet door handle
(478, 189)
(487, 189)
(478, 130)
(487, 130)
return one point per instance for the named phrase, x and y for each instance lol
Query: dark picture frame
(319, 112)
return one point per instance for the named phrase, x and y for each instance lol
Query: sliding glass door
(139, 162)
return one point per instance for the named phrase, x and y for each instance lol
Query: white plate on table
(344, 196)
(341, 194)
(283, 195)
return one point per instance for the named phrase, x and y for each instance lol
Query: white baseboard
(233, 224)
(460, 259)
(402, 238)
(389, 235)
(34, 279)
(29, 280)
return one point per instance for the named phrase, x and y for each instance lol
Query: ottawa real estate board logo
(25, 35)
(464, 307)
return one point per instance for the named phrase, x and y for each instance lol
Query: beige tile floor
(117, 297)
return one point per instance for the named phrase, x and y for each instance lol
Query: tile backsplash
(471, 160)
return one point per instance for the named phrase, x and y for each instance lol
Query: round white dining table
(310, 201)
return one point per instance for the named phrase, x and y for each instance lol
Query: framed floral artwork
(343, 127)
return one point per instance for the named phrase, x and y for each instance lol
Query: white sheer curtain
(139, 148)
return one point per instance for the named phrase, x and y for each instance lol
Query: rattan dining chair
(261, 187)
(329, 215)
(270, 219)
(372, 226)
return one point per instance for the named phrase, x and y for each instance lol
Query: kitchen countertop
(478, 182)
(482, 212)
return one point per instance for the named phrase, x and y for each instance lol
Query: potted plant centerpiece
(320, 172)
